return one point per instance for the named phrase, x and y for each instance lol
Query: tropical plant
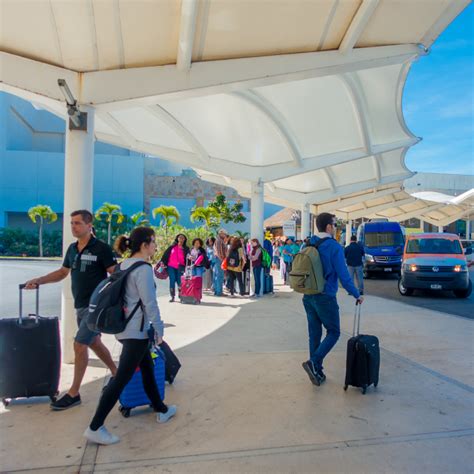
(207, 215)
(169, 215)
(242, 235)
(139, 219)
(228, 212)
(107, 212)
(43, 214)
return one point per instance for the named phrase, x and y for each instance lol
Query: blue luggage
(267, 283)
(133, 395)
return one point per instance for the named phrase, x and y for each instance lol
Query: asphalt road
(444, 301)
(14, 272)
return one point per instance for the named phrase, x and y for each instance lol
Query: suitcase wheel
(364, 389)
(375, 385)
(124, 411)
(345, 387)
(6, 401)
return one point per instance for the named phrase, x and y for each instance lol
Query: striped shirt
(220, 248)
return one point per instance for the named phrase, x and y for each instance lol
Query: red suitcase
(191, 290)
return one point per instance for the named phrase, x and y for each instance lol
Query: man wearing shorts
(88, 261)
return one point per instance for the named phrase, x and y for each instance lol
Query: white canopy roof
(302, 95)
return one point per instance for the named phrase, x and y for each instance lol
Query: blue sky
(438, 102)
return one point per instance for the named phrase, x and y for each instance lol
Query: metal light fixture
(77, 119)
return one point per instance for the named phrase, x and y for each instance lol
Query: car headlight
(410, 267)
(460, 268)
(369, 258)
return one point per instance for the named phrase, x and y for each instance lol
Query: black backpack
(234, 258)
(107, 306)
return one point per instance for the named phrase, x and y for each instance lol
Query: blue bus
(383, 244)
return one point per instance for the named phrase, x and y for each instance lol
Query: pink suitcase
(191, 290)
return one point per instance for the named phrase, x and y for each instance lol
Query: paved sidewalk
(246, 405)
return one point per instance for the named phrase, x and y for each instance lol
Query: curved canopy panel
(304, 96)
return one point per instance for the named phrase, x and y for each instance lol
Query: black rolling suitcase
(267, 283)
(363, 358)
(172, 363)
(30, 355)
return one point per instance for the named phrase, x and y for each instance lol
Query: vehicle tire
(464, 293)
(403, 290)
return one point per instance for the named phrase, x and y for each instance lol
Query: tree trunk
(109, 231)
(41, 237)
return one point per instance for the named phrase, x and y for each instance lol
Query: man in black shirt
(354, 254)
(88, 261)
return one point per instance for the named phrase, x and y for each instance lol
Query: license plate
(436, 287)
(387, 269)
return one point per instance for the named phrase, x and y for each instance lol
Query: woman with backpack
(209, 273)
(197, 257)
(174, 259)
(256, 259)
(140, 296)
(235, 264)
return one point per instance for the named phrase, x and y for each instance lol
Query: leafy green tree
(43, 214)
(139, 219)
(168, 216)
(108, 212)
(207, 215)
(228, 212)
(242, 235)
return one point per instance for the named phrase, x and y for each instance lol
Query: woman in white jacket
(139, 288)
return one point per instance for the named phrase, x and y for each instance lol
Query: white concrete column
(256, 211)
(78, 184)
(440, 228)
(305, 224)
(348, 232)
(468, 229)
(422, 225)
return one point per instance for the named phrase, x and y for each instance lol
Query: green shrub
(18, 242)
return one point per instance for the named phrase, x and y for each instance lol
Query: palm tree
(43, 213)
(167, 214)
(139, 219)
(242, 235)
(208, 215)
(108, 211)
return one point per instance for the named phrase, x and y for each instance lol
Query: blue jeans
(321, 310)
(358, 272)
(198, 271)
(257, 275)
(218, 276)
(175, 275)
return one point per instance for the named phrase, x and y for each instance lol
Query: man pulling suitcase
(88, 260)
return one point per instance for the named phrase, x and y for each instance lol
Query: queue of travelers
(222, 264)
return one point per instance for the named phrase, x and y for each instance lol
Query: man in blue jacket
(322, 309)
(354, 254)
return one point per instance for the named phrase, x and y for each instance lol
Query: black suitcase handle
(21, 287)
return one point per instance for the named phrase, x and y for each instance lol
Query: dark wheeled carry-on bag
(172, 363)
(363, 357)
(30, 355)
(267, 283)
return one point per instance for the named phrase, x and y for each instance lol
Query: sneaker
(164, 417)
(172, 299)
(322, 375)
(313, 375)
(65, 402)
(101, 436)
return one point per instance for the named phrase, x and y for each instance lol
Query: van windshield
(436, 246)
(383, 239)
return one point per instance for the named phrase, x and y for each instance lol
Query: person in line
(256, 260)
(289, 250)
(354, 254)
(235, 263)
(220, 252)
(174, 259)
(209, 273)
(139, 288)
(276, 255)
(267, 245)
(88, 260)
(197, 257)
(322, 308)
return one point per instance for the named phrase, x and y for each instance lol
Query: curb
(31, 259)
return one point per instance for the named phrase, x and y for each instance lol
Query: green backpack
(266, 259)
(306, 274)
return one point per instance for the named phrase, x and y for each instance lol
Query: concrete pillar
(348, 232)
(78, 184)
(440, 228)
(256, 211)
(305, 221)
(422, 225)
(468, 229)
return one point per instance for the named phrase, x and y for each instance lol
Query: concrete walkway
(246, 405)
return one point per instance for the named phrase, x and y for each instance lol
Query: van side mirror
(468, 251)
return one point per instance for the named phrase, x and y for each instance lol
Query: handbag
(224, 264)
(160, 271)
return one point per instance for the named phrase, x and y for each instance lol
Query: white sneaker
(101, 436)
(164, 417)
